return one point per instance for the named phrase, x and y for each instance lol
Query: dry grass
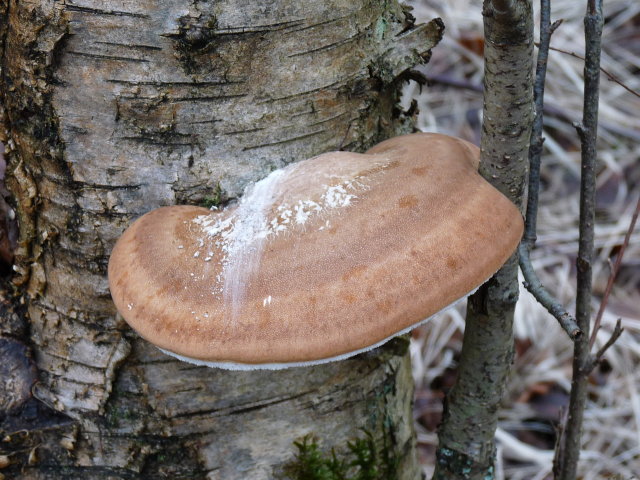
(541, 374)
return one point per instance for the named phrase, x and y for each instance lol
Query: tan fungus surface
(325, 257)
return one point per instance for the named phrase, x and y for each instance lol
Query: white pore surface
(283, 365)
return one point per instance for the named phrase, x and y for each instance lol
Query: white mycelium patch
(241, 236)
(333, 197)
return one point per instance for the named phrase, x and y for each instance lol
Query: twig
(567, 465)
(559, 443)
(535, 145)
(450, 81)
(614, 274)
(532, 282)
(617, 331)
(611, 76)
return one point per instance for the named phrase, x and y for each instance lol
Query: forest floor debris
(539, 385)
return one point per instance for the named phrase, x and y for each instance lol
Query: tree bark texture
(112, 108)
(466, 437)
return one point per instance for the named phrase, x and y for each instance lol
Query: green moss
(216, 198)
(363, 459)
(117, 415)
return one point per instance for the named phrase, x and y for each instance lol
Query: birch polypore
(320, 260)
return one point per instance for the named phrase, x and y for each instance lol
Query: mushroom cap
(320, 260)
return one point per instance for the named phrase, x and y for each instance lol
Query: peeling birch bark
(110, 109)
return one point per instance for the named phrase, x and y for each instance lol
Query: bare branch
(542, 295)
(566, 466)
(535, 145)
(597, 358)
(532, 282)
(614, 274)
(611, 76)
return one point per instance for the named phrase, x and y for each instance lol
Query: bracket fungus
(318, 261)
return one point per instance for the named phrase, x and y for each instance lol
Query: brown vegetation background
(538, 390)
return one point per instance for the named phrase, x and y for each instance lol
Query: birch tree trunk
(111, 108)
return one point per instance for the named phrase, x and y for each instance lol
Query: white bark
(112, 108)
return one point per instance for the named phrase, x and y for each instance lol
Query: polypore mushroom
(320, 260)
